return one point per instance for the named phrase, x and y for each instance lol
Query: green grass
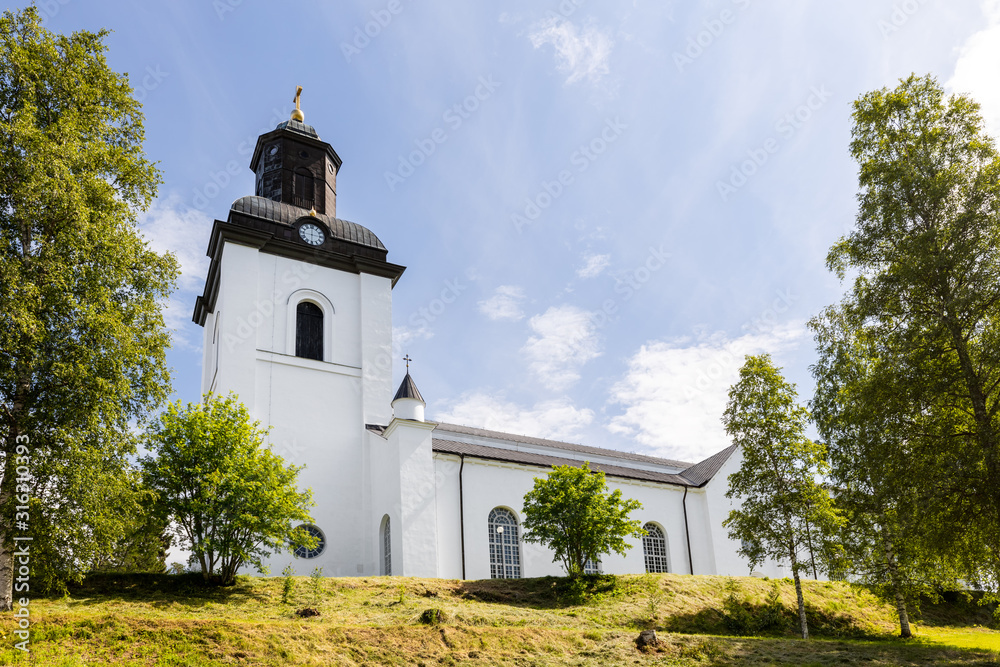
(168, 620)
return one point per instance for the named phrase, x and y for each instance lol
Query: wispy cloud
(675, 391)
(505, 304)
(557, 419)
(593, 266)
(581, 52)
(565, 338)
(171, 226)
(977, 67)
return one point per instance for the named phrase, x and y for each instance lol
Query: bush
(743, 618)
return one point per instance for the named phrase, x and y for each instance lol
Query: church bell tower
(297, 318)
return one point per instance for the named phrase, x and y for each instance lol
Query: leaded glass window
(309, 331)
(592, 567)
(302, 551)
(505, 548)
(654, 548)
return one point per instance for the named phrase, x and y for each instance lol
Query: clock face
(303, 552)
(312, 234)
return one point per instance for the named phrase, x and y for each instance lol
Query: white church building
(297, 315)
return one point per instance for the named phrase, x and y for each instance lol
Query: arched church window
(386, 548)
(309, 331)
(654, 548)
(592, 567)
(303, 191)
(505, 547)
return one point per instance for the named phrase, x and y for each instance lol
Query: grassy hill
(172, 620)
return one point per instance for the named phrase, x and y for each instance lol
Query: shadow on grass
(159, 590)
(821, 652)
(541, 592)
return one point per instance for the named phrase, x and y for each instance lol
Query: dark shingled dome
(408, 389)
(276, 211)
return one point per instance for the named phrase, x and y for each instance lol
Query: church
(297, 319)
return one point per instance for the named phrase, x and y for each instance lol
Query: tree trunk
(897, 587)
(803, 625)
(904, 619)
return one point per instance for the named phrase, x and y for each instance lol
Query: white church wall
(418, 497)
(236, 341)
(375, 331)
(488, 485)
(446, 472)
(385, 500)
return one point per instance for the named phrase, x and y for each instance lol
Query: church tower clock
(297, 318)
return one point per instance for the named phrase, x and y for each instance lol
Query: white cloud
(565, 339)
(557, 419)
(977, 67)
(675, 391)
(404, 335)
(593, 265)
(582, 52)
(171, 226)
(505, 304)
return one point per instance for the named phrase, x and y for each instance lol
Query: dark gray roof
(408, 389)
(276, 211)
(541, 460)
(442, 429)
(700, 473)
(298, 126)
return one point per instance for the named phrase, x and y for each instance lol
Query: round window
(302, 551)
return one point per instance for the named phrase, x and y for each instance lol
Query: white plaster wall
(316, 409)
(384, 476)
(418, 525)
(488, 485)
(446, 471)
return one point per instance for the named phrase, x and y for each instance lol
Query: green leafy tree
(865, 421)
(925, 260)
(82, 339)
(571, 512)
(234, 501)
(784, 513)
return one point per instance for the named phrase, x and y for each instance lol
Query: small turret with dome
(408, 403)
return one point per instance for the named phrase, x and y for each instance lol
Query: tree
(233, 501)
(571, 512)
(925, 256)
(785, 512)
(82, 339)
(877, 477)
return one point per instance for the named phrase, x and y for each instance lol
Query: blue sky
(602, 206)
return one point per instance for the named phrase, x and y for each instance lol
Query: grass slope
(171, 620)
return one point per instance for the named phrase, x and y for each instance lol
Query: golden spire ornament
(297, 114)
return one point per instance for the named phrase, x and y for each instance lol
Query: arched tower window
(303, 190)
(505, 547)
(654, 548)
(386, 548)
(308, 331)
